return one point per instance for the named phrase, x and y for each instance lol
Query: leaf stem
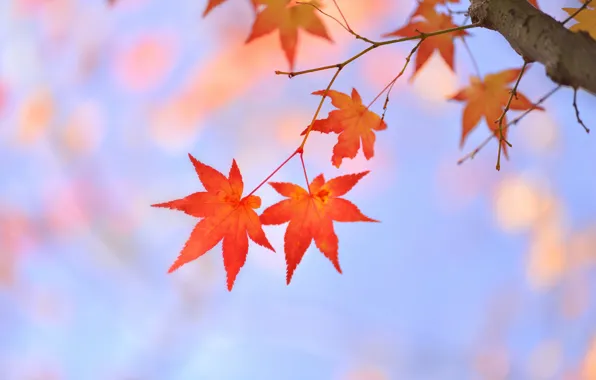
(342, 16)
(304, 169)
(513, 93)
(472, 58)
(473, 153)
(273, 173)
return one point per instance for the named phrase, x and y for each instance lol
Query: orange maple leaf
(279, 14)
(353, 121)
(488, 98)
(427, 21)
(225, 216)
(586, 20)
(211, 4)
(311, 215)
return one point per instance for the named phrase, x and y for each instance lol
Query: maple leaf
(226, 216)
(311, 216)
(586, 20)
(488, 98)
(279, 14)
(424, 5)
(353, 122)
(429, 21)
(211, 4)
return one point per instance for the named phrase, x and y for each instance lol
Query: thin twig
(342, 15)
(312, 123)
(513, 93)
(304, 170)
(579, 120)
(390, 85)
(375, 45)
(474, 62)
(473, 153)
(584, 6)
(346, 26)
(452, 12)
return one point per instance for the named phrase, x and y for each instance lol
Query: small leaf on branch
(487, 98)
(353, 121)
(287, 17)
(226, 216)
(429, 21)
(311, 215)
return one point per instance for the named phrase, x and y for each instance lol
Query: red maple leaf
(211, 4)
(279, 14)
(225, 216)
(427, 21)
(353, 121)
(311, 216)
(487, 98)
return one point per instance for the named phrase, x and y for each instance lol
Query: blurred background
(472, 274)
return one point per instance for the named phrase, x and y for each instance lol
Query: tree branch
(567, 56)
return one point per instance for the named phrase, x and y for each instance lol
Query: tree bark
(569, 58)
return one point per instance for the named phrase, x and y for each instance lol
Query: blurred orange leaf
(35, 115)
(487, 98)
(145, 63)
(277, 14)
(427, 21)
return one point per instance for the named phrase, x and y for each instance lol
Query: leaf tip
(192, 159)
(174, 266)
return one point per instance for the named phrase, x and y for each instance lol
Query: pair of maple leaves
(285, 16)
(232, 218)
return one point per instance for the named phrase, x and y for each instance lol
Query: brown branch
(567, 56)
